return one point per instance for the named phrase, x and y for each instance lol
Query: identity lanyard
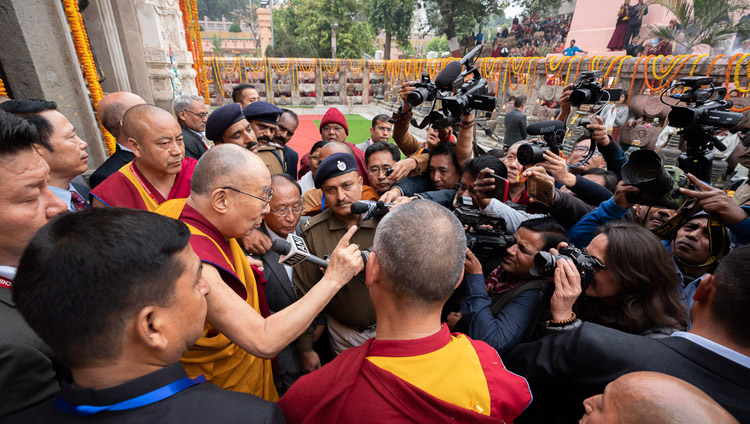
(136, 402)
(6, 283)
(138, 177)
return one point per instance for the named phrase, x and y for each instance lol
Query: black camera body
(484, 242)
(588, 91)
(424, 91)
(469, 95)
(545, 264)
(659, 184)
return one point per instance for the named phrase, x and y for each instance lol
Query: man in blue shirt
(573, 49)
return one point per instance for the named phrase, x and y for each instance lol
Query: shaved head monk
(160, 170)
(231, 190)
(414, 370)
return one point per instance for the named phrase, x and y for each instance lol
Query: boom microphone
(545, 127)
(293, 250)
(446, 77)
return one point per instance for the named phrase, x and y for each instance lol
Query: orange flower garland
(194, 44)
(2, 89)
(713, 62)
(86, 60)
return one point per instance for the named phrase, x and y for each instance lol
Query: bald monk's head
(155, 138)
(334, 147)
(112, 108)
(231, 188)
(653, 398)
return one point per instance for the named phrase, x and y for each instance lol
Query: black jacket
(565, 369)
(113, 164)
(194, 147)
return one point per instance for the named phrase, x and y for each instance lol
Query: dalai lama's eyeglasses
(268, 191)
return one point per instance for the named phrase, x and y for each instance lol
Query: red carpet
(306, 135)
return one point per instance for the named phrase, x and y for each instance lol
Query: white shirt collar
(715, 348)
(124, 148)
(8, 272)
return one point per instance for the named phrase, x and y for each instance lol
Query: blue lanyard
(136, 402)
(323, 204)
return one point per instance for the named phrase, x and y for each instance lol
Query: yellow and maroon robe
(222, 362)
(128, 188)
(440, 378)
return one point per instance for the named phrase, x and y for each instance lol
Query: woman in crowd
(634, 289)
(618, 37)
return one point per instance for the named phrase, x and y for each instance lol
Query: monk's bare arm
(265, 337)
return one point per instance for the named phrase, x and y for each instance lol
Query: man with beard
(287, 125)
(350, 314)
(263, 120)
(160, 171)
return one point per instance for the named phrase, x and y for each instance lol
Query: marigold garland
(713, 62)
(2, 89)
(86, 60)
(352, 69)
(194, 44)
(737, 68)
(632, 79)
(532, 76)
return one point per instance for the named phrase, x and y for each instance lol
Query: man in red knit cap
(333, 127)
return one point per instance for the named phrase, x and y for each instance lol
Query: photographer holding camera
(503, 309)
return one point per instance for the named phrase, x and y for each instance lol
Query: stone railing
(295, 81)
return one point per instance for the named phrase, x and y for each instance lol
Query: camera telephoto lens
(416, 97)
(580, 96)
(530, 154)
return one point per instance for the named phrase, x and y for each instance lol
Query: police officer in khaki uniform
(350, 314)
(262, 117)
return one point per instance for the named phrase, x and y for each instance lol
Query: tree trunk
(387, 48)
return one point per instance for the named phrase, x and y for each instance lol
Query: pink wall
(594, 21)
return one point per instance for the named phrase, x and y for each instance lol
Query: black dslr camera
(469, 95)
(588, 91)
(587, 265)
(659, 184)
(485, 236)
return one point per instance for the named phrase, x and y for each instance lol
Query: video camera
(588, 91)
(470, 95)
(552, 133)
(700, 120)
(485, 243)
(546, 262)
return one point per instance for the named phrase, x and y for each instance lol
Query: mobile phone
(541, 189)
(501, 187)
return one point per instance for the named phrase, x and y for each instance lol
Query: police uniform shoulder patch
(315, 220)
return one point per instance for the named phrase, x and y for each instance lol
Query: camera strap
(717, 233)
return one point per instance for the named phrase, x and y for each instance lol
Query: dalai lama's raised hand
(346, 260)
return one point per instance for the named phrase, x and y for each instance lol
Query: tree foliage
(542, 8)
(438, 44)
(703, 21)
(395, 18)
(215, 9)
(452, 17)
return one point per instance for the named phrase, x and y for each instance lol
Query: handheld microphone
(371, 209)
(293, 250)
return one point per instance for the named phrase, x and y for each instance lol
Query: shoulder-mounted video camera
(469, 95)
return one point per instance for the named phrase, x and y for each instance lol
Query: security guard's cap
(262, 111)
(333, 166)
(221, 119)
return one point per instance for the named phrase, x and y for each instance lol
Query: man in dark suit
(59, 145)
(27, 371)
(286, 210)
(714, 355)
(287, 125)
(124, 363)
(192, 115)
(111, 109)
(515, 123)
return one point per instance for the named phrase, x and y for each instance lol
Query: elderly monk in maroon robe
(414, 370)
(160, 170)
(231, 189)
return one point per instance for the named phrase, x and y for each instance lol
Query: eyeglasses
(267, 190)
(296, 209)
(584, 150)
(376, 170)
(199, 115)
